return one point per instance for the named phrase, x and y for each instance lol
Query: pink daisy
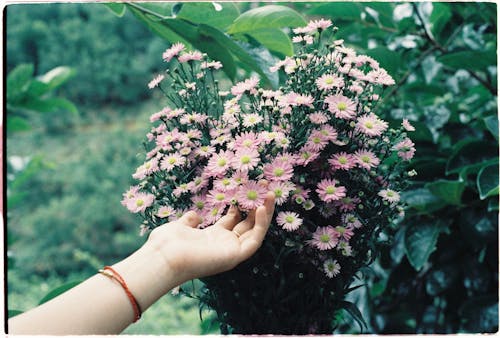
(211, 215)
(219, 163)
(165, 211)
(341, 106)
(199, 202)
(366, 159)
(211, 64)
(306, 156)
(328, 190)
(351, 221)
(250, 195)
(319, 24)
(173, 51)
(171, 161)
(316, 141)
(281, 190)
(389, 195)
(324, 238)
(380, 76)
(146, 169)
(343, 161)
(131, 192)
(405, 149)
(250, 120)
(328, 132)
(198, 183)
(318, 118)
(331, 268)
(139, 202)
(329, 81)
(156, 81)
(205, 151)
(347, 203)
(245, 159)
(225, 184)
(190, 56)
(344, 233)
(407, 125)
(371, 125)
(278, 171)
(247, 85)
(344, 248)
(290, 221)
(218, 198)
(248, 140)
(181, 189)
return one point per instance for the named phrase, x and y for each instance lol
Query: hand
(190, 252)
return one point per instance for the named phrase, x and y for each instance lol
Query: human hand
(190, 252)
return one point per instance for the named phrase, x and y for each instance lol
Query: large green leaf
(423, 200)
(420, 241)
(491, 123)
(272, 16)
(353, 310)
(448, 191)
(440, 16)
(470, 154)
(59, 290)
(487, 181)
(18, 80)
(57, 76)
(384, 12)
(274, 39)
(471, 60)
(117, 8)
(49, 105)
(219, 15)
(16, 124)
(337, 10)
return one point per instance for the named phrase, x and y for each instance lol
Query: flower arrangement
(335, 167)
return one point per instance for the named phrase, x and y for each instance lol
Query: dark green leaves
(218, 15)
(463, 59)
(353, 310)
(487, 181)
(272, 16)
(420, 241)
(448, 191)
(338, 10)
(18, 80)
(470, 154)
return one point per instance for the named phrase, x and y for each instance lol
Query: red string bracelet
(110, 272)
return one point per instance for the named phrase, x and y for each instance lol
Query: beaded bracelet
(111, 273)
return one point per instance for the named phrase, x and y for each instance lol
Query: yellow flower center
(341, 106)
(252, 195)
(330, 189)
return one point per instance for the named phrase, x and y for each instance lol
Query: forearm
(100, 305)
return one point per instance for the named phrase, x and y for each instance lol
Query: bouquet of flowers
(335, 167)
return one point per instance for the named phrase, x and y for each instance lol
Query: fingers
(190, 218)
(229, 220)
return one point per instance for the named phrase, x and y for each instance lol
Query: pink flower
(218, 198)
(331, 268)
(328, 190)
(306, 156)
(131, 192)
(156, 81)
(328, 132)
(290, 221)
(329, 81)
(278, 171)
(319, 24)
(139, 202)
(405, 149)
(316, 141)
(190, 56)
(247, 85)
(344, 233)
(245, 159)
(146, 169)
(199, 202)
(341, 106)
(351, 221)
(343, 161)
(165, 211)
(324, 238)
(281, 190)
(344, 248)
(318, 118)
(182, 188)
(250, 120)
(248, 140)
(211, 215)
(225, 184)
(171, 161)
(347, 203)
(211, 64)
(371, 125)
(250, 195)
(366, 159)
(380, 76)
(389, 195)
(205, 151)
(294, 99)
(219, 163)
(407, 126)
(173, 51)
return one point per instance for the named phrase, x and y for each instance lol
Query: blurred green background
(78, 110)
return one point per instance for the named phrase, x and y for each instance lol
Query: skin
(173, 254)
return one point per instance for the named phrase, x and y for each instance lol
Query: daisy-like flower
(371, 125)
(225, 184)
(278, 171)
(351, 220)
(281, 190)
(366, 159)
(347, 203)
(245, 159)
(331, 268)
(328, 132)
(139, 202)
(318, 118)
(290, 221)
(211, 215)
(306, 156)
(204, 151)
(218, 198)
(341, 106)
(324, 238)
(319, 24)
(211, 64)
(250, 195)
(248, 140)
(190, 56)
(181, 189)
(329, 81)
(328, 190)
(316, 141)
(131, 192)
(146, 169)
(405, 149)
(250, 120)
(165, 211)
(247, 85)
(407, 125)
(380, 76)
(173, 51)
(294, 99)
(219, 163)
(389, 195)
(156, 81)
(171, 161)
(345, 248)
(344, 233)
(342, 161)
(199, 202)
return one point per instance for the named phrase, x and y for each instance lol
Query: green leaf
(440, 16)
(384, 10)
(487, 181)
(388, 59)
(423, 200)
(457, 60)
(17, 124)
(493, 204)
(338, 10)
(274, 39)
(57, 291)
(470, 154)
(12, 313)
(116, 7)
(272, 16)
(18, 80)
(57, 76)
(491, 123)
(218, 15)
(448, 191)
(49, 105)
(420, 241)
(353, 310)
